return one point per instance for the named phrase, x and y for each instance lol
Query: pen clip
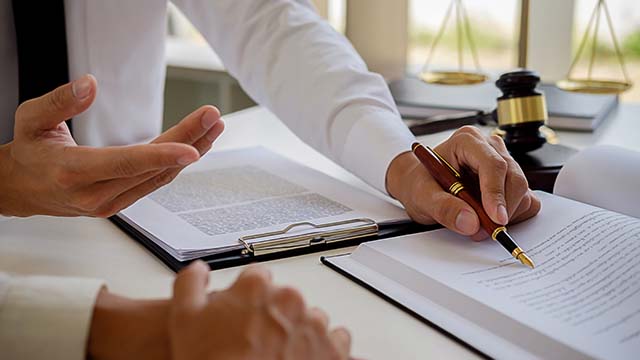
(365, 227)
(453, 170)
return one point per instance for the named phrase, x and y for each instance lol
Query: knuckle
(469, 130)
(499, 164)
(56, 100)
(519, 182)
(465, 138)
(318, 321)
(254, 282)
(496, 140)
(163, 179)
(344, 332)
(292, 297)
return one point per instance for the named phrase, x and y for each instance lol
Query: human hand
(45, 172)
(505, 192)
(253, 319)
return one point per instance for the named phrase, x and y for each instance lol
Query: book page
(603, 176)
(229, 194)
(582, 299)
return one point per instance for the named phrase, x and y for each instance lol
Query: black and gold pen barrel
(501, 236)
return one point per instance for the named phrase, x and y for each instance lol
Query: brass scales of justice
(589, 84)
(521, 111)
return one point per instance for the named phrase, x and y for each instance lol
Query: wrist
(123, 328)
(399, 171)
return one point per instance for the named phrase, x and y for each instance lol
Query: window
(337, 14)
(625, 15)
(494, 28)
(180, 26)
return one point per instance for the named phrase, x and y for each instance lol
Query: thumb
(54, 107)
(454, 213)
(433, 203)
(190, 287)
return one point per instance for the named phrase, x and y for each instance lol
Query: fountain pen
(451, 180)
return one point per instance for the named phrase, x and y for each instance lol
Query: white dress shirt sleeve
(44, 317)
(291, 61)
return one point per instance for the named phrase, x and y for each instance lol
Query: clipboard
(283, 243)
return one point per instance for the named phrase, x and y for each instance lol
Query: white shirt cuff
(376, 138)
(47, 317)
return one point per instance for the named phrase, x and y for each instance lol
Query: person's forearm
(322, 90)
(123, 328)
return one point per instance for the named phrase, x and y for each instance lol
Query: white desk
(96, 248)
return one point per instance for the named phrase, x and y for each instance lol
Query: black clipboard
(233, 258)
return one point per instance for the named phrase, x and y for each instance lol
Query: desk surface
(96, 248)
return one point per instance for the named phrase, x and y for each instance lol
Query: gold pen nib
(525, 260)
(522, 257)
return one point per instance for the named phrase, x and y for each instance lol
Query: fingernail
(208, 119)
(466, 222)
(503, 217)
(186, 160)
(82, 87)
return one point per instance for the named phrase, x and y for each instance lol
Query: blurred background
(394, 37)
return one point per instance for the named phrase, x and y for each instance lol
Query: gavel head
(521, 111)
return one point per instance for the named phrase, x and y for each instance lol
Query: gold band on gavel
(523, 109)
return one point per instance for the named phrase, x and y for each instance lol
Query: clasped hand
(252, 319)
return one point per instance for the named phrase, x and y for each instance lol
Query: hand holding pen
(451, 179)
(505, 198)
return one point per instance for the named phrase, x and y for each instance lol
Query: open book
(581, 301)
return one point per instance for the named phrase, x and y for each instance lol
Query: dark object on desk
(569, 111)
(239, 257)
(437, 123)
(521, 111)
(541, 167)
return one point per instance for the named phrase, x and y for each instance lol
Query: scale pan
(587, 86)
(452, 77)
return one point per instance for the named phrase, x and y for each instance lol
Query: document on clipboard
(253, 202)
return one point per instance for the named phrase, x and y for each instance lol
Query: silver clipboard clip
(362, 227)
